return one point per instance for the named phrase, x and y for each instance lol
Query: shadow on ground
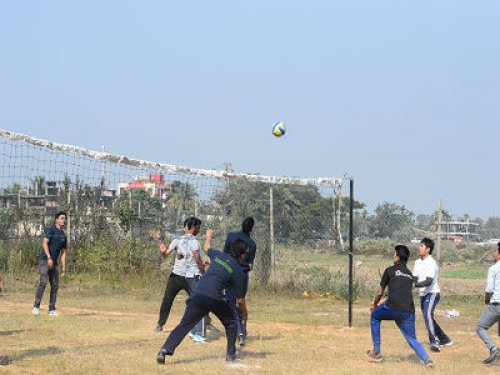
(6, 360)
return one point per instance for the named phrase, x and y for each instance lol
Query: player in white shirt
(492, 314)
(426, 273)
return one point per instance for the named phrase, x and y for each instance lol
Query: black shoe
(160, 358)
(428, 363)
(231, 358)
(446, 343)
(242, 340)
(494, 354)
(435, 347)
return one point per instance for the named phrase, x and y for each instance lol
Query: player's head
(401, 254)
(496, 254)
(60, 218)
(426, 246)
(247, 225)
(238, 248)
(192, 224)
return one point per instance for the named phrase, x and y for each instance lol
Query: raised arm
(208, 240)
(166, 251)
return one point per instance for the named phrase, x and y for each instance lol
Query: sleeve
(212, 253)
(173, 245)
(385, 278)
(490, 281)
(48, 233)
(253, 251)
(238, 283)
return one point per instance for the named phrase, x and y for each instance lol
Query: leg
(442, 337)
(199, 329)
(226, 316)
(195, 309)
(407, 328)
(427, 304)
(44, 272)
(489, 317)
(54, 287)
(172, 289)
(377, 315)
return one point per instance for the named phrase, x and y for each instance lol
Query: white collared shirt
(424, 269)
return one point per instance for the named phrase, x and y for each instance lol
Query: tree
(181, 198)
(391, 221)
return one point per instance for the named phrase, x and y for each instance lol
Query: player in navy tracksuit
(246, 266)
(210, 295)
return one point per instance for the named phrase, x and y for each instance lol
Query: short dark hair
(59, 213)
(498, 247)
(247, 224)
(403, 253)
(238, 247)
(192, 222)
(427, 242)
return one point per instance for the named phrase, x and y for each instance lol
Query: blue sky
(402, 95)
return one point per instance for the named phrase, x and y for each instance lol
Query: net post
(351, 239)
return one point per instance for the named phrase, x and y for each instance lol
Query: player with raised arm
(210, 295)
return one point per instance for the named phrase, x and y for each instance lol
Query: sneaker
(494, 354)
(160, 357)
(435, 347)
(36, 311)
(373, 357)
(196, 337)
(242, 340)
(158, 328)
(446, 343)
(53, 313)
(428, 363)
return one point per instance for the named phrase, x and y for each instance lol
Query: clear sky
(402, 95)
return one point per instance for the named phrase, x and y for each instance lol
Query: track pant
(197, 307)
(406, 323)
(428, 303)
(53, 276)
(489, 317)
(200, 328)
(175, 284)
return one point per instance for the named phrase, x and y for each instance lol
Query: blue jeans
(428, 303)
(406, 323)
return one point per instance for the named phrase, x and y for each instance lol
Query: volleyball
(279, 128)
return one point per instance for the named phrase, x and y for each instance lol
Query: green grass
(465, 274)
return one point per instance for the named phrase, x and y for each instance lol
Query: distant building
(153, 184)
(459, 230)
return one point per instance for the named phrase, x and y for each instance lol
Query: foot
(446, 343)
(428, 363)
(160, 357)
(494, 354)
(231, 358)
(196, 337)
(435, 347)
(372, 356)
(36, 311)
(242, 340)
(53, 313)
(158, 328)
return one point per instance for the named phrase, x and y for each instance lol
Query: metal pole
(440, 219)
(351, 250)
(271, 225)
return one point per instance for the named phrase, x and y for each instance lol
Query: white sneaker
(36, 311)
(196, 337)
(53, 313)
